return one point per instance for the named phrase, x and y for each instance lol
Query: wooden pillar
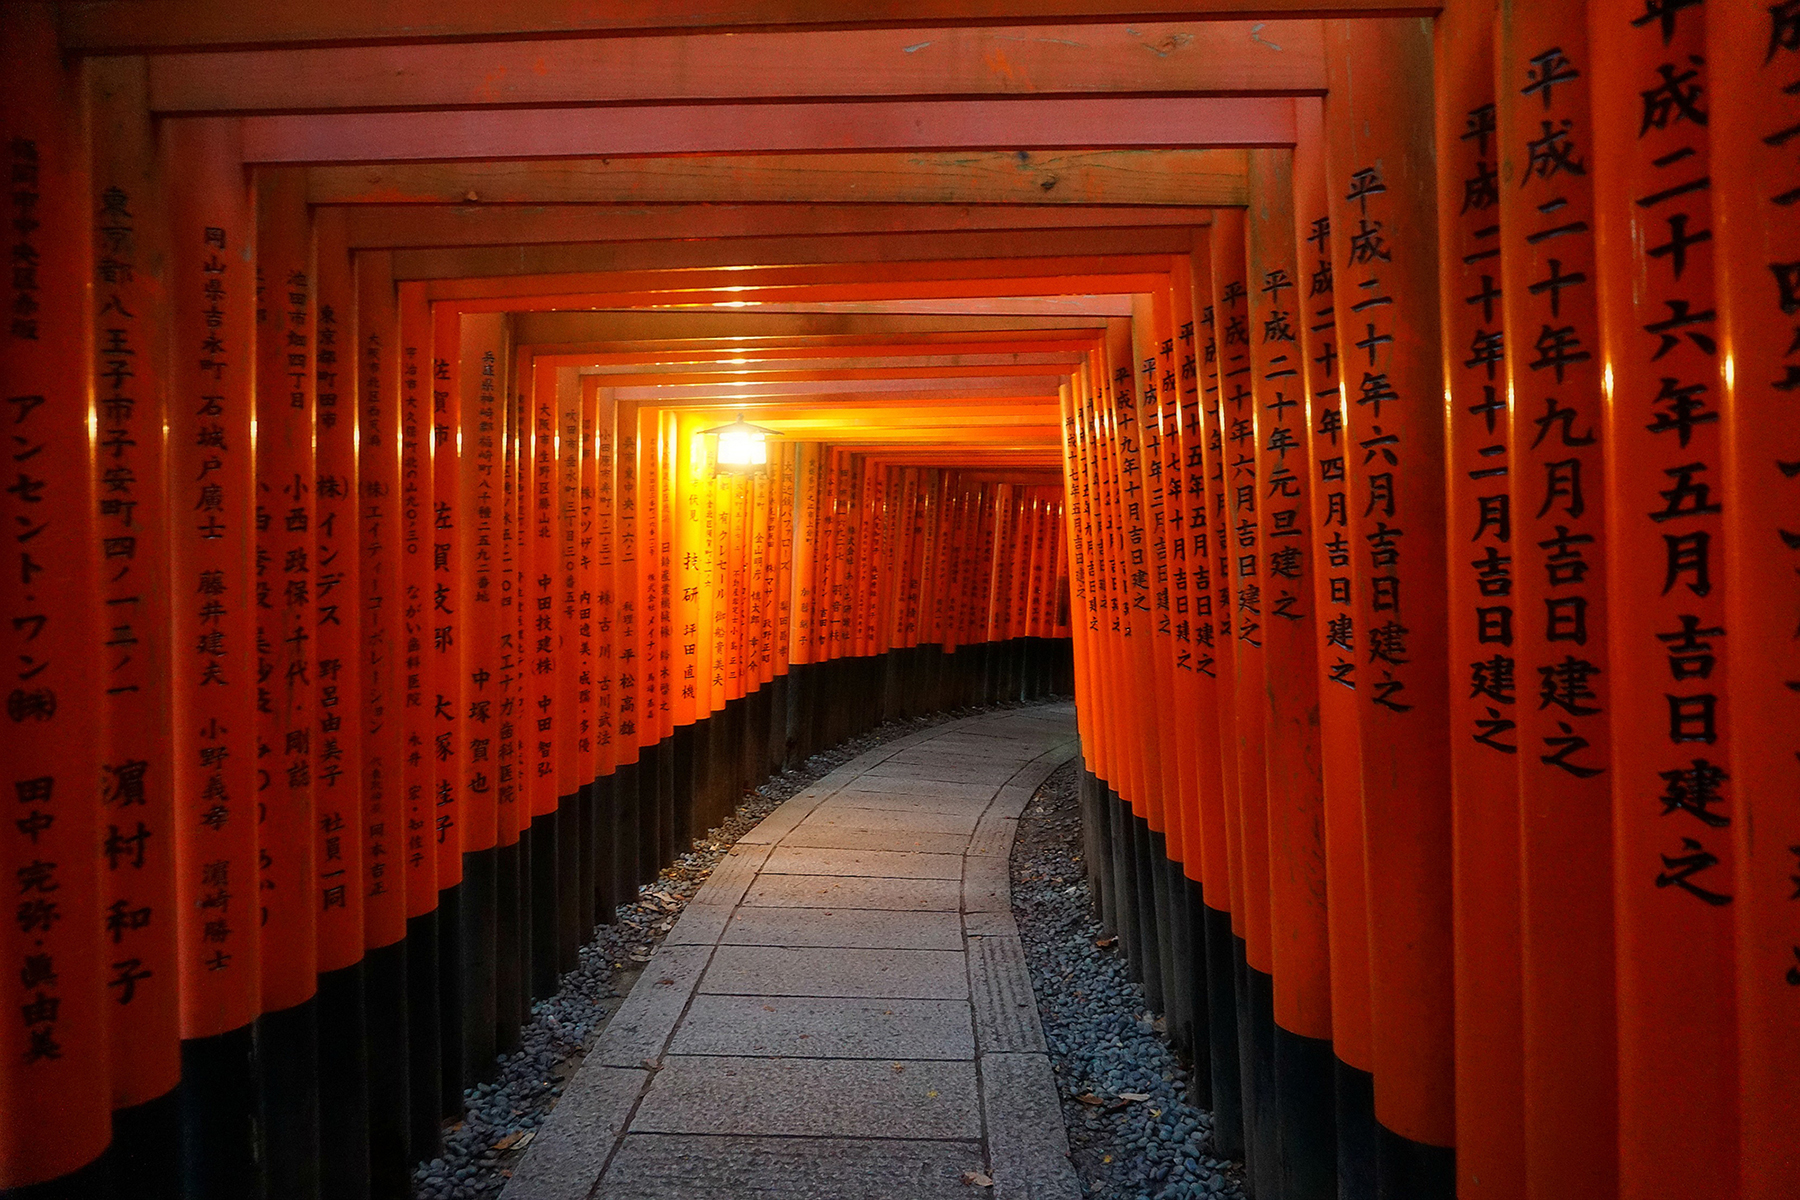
(55, 1095)
(286, 687)
(1335, 569)
(339, 823)
(1674, 802)
(418, 764)
(1548, 272)
(1483, 632)
(131, 363)
(1241, 578)
(1198, 683)
(381, 772)
(1382, 188)
(212, 288)
(445, 601)
(1300, 956)
(1752, 54)
(483, 370)
(1222, 935)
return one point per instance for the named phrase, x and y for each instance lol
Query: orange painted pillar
(1247, 719)
(1674, 801)
(606, 583)
(569, 666)
(1225, 910)
(1340, 747)
(1548, 273)
(1162, 480)
(1382, 192)
(131, 363)
(1300, 954)
(482, 371)
(1205, 868)
(286, 577)
(338, 822)
(1155, 653)
(418, 763)
(213, 623)
(378, 712)
(512, 971)
(1753, 52)
(1484, 766)
(446, 607)
(55, 1094)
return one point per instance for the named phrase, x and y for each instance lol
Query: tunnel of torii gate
(1384, 419)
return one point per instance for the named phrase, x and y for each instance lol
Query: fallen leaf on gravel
(525, 1139)
(1090, 1098)
(976, 1179)
(1134, 1095)
(506, 1142)
(1104, 942)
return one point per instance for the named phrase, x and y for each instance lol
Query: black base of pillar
(1306, 1118)
(424, 1044)
(480, 902)
(1222, 1009)
(1356, 1132)
(1200, 1076)
(146, 1150)
(511, 1003)
(220, 1147)
(450, 1002)
(1409, 1170)
(343, 1085)
(390, 1090)
(287, 1054)
(1261, 1125)
(543, 906)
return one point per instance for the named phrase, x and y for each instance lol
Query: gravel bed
(502, 1117)
(1132, 1134)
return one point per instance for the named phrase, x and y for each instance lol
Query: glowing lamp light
(741, 446)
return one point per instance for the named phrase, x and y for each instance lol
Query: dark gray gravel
(1105, 1046)
(502, 1117)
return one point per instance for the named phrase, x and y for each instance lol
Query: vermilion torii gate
(1380, 414)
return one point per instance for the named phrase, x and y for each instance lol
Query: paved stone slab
(640, 1029)
(963, 773)
(969, 791)
(915, 801)
(569, 1151)
(871, 929)
(819, 971)
(735, 872)
(1027, 1144)
(1006, 1016)
(831, 838)
(799, 1097)
(839, 891)
(882, 864)
(848, 816)
(662, 1166)
(826, 1027)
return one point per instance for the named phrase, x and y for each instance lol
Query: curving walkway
(843, 1010)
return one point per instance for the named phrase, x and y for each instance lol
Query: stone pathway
(843, 1011)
